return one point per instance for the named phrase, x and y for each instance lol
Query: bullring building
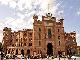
(46, 37)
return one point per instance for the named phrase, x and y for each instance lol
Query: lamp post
(0, 55)
(64, 55)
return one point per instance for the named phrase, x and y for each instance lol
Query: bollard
(59, 58)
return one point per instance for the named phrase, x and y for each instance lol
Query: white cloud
(1, 37)
(20, 15)
(13, 23)
(25, 9)
(78, 12)
(78, 39)
(60, 14)
(12, 4)
(28, 4)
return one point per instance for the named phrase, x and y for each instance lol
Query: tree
(1, 50)
(0, 46)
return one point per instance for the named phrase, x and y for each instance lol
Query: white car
(74, 57)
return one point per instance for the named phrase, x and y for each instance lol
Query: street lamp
(0, 55)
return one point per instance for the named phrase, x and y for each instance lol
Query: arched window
(25, 34)
(21, 43)
(22, 52)
(9, 51)
(30, 34)
(58, 30)
(59, 43)
(16, 39)
(49, 33)
(59, 37)
(39, 29)
(24, 44)
(16, 51)
(30, 44)
(39, 43)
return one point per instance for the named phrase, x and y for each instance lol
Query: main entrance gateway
(49, 49)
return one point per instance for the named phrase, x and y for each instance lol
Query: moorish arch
(16, 51)
(22, 52)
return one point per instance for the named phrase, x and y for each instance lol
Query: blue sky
(17, 14)
(71, 17)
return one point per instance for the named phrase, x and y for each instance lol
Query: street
(44, 59)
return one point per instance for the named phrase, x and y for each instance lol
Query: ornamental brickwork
(46, 37)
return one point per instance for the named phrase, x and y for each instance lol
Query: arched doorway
(28, 53)
(22, 52)
(60, 53)
(16, 51)
(49, 49)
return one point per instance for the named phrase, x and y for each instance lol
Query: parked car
(74, 57)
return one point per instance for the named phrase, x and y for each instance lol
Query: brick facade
(48, 32)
